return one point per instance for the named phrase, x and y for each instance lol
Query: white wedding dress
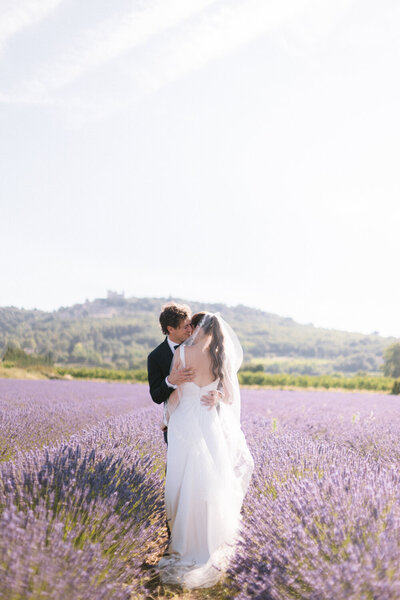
(208, 470)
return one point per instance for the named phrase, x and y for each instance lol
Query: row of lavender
(84, 519)
(322, 518)
(78, 515)
(34, 414)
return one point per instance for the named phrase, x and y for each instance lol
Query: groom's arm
(159, 390)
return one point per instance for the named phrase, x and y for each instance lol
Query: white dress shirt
(172, 345)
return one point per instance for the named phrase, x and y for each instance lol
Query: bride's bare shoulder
(190, 350)
(195, 352)
(194, 349)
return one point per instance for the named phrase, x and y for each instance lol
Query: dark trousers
(165, 433)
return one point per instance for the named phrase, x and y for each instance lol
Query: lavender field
(81, 495)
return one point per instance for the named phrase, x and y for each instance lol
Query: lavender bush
(79, 518)
(81, 501)
(322, 516)
(37, 413)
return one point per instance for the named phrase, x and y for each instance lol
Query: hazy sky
(238, 151)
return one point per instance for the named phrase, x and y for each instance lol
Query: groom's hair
(172, 314)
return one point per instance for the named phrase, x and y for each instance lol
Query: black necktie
(175, 347)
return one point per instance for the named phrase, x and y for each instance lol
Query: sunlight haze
(236, 151)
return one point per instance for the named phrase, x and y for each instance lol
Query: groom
(175, 324)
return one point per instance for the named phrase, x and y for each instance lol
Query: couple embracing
(194, 374)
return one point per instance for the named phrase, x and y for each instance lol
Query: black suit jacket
(158, 368)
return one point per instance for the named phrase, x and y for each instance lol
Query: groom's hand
(176, 377)
(211, 399)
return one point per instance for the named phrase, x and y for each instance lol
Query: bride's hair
(196, 318)
(210, 325)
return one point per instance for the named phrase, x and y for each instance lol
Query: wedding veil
(230, 357)
(230, 351)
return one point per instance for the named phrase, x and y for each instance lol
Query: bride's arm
(178, 373)
(171, 404)
(175, 365)
(173, 399)
(225, 390)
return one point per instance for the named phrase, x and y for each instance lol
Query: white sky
(238, 151)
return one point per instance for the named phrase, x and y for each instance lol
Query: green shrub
(396, 387)
(101, 373)
(365, 382)
(19, 358)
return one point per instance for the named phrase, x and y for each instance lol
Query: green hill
(119, 332)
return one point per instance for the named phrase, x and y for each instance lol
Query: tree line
(118, 333)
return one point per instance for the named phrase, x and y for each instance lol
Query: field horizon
(118, 332)
(247, 379)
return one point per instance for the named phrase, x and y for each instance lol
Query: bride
(208, 462)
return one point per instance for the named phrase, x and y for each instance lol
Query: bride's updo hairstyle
(210, 326)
